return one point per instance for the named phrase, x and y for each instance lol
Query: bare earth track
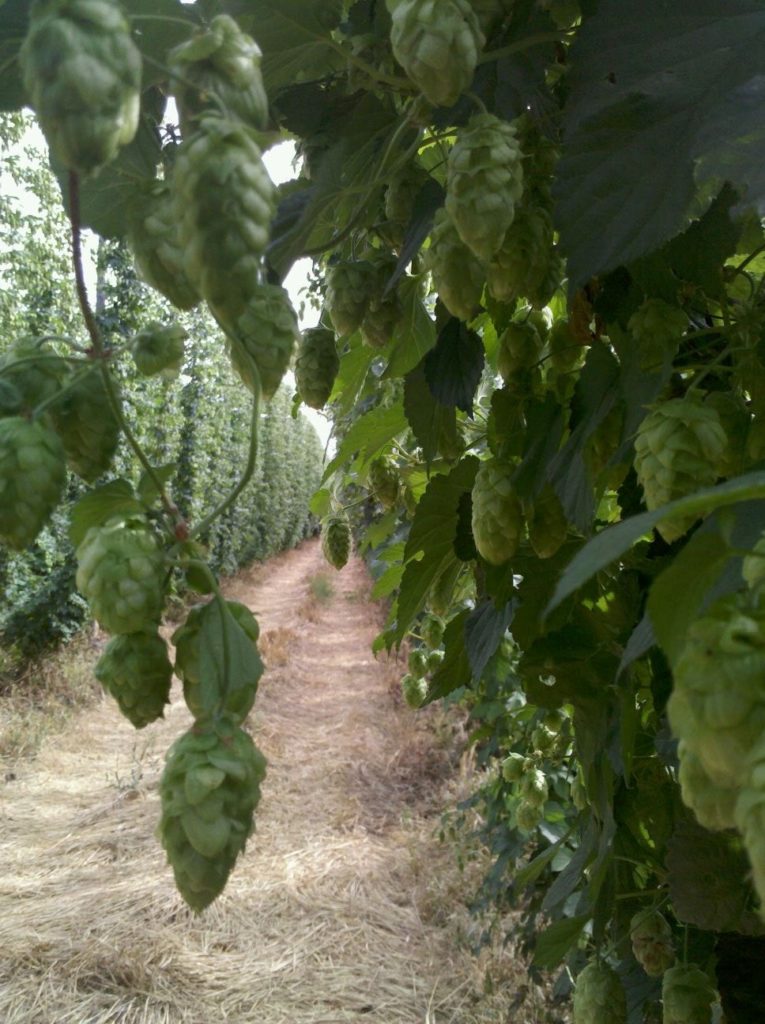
(331, 915)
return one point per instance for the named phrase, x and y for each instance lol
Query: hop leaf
(336, 539)
(383, 479)
(651, 938)
(657, 329)
(458, 275)
(491, 13)
(678, 450)
(265, 333)
(32, 478)
(599, 996)
(121, 574)
(88, 426)
(82, 74)
(159, 350)
(687, 995)
(484, 183)
(209, 790)
(437, 43)
(753, 569)
(34, 371)
(136, 671)
(219, 68)
(349, 286)
(316, 366)
(497, 513)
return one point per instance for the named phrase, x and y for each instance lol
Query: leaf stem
(525, 44)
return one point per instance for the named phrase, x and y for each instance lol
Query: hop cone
(547, 526)
(121, 574)
(418, 662)
(136, 671)
(159, 350)
(316, 366)
(224, 203)
(432, 630)
(400, 197)
(687, 995)
(383, 479)
(750, 818)
(209, 790)
(202, 695)
(155, 241)
(519, 267)
(717, 706)
(565, 350)
(34, 371)
(528, 815)
(219, 69)
(437, 43)
(348, 292)
(415, 690)
(484, 183)
(651, 938)
(82, 74)
(520, 349)
(458, 275)
(533, 788)
(713, 805)
(678, 450)
(435, 660)
(512, 767)
(384, 309)
(599, 996)
(265, 333)
(88, 427)
(336, 539)
(32, 478)
(657, 329)
(497, 514)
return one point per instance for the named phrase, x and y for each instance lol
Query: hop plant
(497, 513)
(528, 815)
(415, 690)
(437, 43)
(159, 350)
(713, 805)
(565, 350)
(349, 286)
(652, 945)
(316, 366)
(32, 478)
(383, 479)
(224, 203)
(458, 275)
(34, 371)
(136, 671)
(533, 788)
(717, 705)
(153, 234)
(512, 767)
(491, 13)
(678, 450)
(435, 660)
(657, 328)
(82, 75)
(265, 334)
(520, 349)
(547, 526)
(336, 539)
(400, 197)
(432, 631)
(687, 995)
(599, 996)
(750, 818)
(602, 446)
(735, 420)
(753, 568)
(484, 183)
(520, 265)
(87, 424)
(418, 662)
(209, 790)
(120, 572)
(218, 69)
(384, 306)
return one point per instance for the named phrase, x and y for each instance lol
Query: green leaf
(354, 367)
(531, 872)
(368, 435)
(228, 661)
(117, 498)
(484, 630)
(454, 671)
(320, 502)
(453, 368)
(157, 27)
(613, 542)
(14, 20)
(147, 489)
(430, 546)
(557, 939)
(428, 419)
(415, 333)
(544, 429)
(388, 582)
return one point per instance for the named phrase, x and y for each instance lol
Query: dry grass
(345, 908)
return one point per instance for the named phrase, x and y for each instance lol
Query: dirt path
(338, 911)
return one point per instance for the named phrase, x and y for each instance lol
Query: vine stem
(99, 349)
(524, 44)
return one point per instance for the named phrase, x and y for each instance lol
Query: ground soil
(345, 907)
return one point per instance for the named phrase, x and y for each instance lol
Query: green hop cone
(512, 767)
(652, 945)
(657, 329)
(432, 631)
(349, 286)
(218, 69)
(497, 513)
(484, 183)
(154, 238)
(713, 805)
(678, 450)
(520, 265)
(35, 372)
(547, 526)
(599, 997)
(32, 479)
(543, 739)
(437, 43)
(224, 201)
(209, 790)
(435, 660)
(121, 571)
(519, 352)
(336, 539)
(400, 197)
(384, 308)
(566, 352)
(415, 690)
(687, 995)
(533, 788)
(266, 334)
(717, 705)
(159, 350)
(750, 818)
(88, 427)
(418, 662)
(316, 366)
(383, 479)
(136, 671)
(202, 695)
(458, 276)
(82, 75)
(528, 816)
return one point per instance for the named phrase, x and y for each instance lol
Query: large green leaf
(415, 333)
(158, 25)
(368, 435)
(662, 96)
(14, 17)
(117, 498)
